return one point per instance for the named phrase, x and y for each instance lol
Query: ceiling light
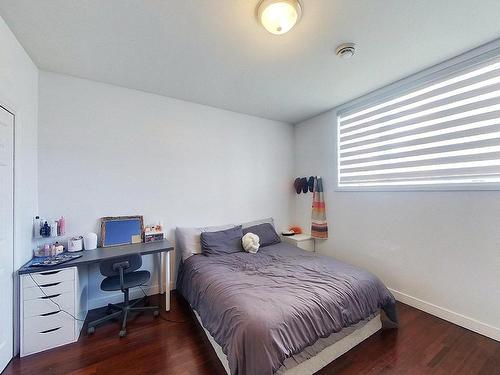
(279, 16)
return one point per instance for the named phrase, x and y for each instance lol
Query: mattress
(320, 354)
(265, 308)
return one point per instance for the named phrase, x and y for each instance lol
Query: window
(440, 130)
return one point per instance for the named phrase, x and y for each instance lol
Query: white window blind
(444, 132)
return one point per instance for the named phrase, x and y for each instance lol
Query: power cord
(83, 320)
(54, 302)
(161, 316)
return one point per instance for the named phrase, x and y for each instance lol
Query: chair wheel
(122, 333)
(90, 330)
(156, 313)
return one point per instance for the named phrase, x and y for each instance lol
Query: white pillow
(187, 240)
(250, 243)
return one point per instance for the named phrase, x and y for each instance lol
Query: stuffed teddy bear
(250, 243)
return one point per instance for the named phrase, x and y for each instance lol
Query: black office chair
(122, 275)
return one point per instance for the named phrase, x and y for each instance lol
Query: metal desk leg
(159, 267)
(166, 264)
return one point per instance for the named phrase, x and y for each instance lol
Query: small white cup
(90, 241)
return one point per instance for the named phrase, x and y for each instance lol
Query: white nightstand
(304, 241)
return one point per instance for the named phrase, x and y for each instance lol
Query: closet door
(6, 236)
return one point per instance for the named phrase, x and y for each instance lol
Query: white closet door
(6, 235)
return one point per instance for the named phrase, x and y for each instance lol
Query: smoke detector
(346, 50)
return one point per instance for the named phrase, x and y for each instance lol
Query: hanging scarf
(319, 226)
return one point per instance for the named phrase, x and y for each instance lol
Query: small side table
(304, 241)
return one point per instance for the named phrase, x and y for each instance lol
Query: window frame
(413, 82)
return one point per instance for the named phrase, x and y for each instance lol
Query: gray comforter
(262, 308)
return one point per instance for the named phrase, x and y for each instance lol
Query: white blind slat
(482, 86)
(440, 134)
(417, 147)
(479, 153)
(470, 107)
(489, 66)
(446, 133)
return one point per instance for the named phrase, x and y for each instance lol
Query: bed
(282, 310)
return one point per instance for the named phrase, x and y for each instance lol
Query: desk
(103, 253)
(53, 300)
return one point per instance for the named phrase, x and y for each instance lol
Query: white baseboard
(117, 297)
(441, 312)
(451, 316)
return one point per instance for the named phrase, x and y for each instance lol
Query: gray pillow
(222, 242)
(267, 234)
(187, 240)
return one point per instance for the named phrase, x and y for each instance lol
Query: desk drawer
(40, 323)
(48, 277)
(43, 305)
(45, 332)
(49, 290)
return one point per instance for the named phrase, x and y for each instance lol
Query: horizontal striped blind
(445, 132)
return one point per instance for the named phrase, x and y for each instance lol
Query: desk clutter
(122, 230)
(44, 228)
(115, 231)
(154, 233)
(54, 260)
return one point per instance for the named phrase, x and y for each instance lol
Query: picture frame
(121, 230)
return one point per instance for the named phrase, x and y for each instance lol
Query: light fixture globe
(279, 16)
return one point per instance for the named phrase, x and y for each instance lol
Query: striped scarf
(319, 226)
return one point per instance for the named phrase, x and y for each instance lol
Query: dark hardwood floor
(423, 344)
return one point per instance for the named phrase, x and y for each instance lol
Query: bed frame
(320, 360)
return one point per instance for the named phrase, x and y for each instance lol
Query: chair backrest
(130, 263)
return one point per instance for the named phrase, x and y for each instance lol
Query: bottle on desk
(61, 226)
(36, 227)
(53, 229)
(45, 229)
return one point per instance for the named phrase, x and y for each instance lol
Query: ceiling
(214, 52)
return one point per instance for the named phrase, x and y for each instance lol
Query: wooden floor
(423, 344)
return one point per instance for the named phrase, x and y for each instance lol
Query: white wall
(439, 251)
(106, 150)
(19, 94)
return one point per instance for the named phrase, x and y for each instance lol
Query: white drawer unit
(48, 277)
(304, 241)
(53, 306)
(49, 304)
(48, 289)
(44, 332)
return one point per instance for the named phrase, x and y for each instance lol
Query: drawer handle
(50, 330)
(52, 296)
(50, 313)
(49, 273)
(48, 285)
